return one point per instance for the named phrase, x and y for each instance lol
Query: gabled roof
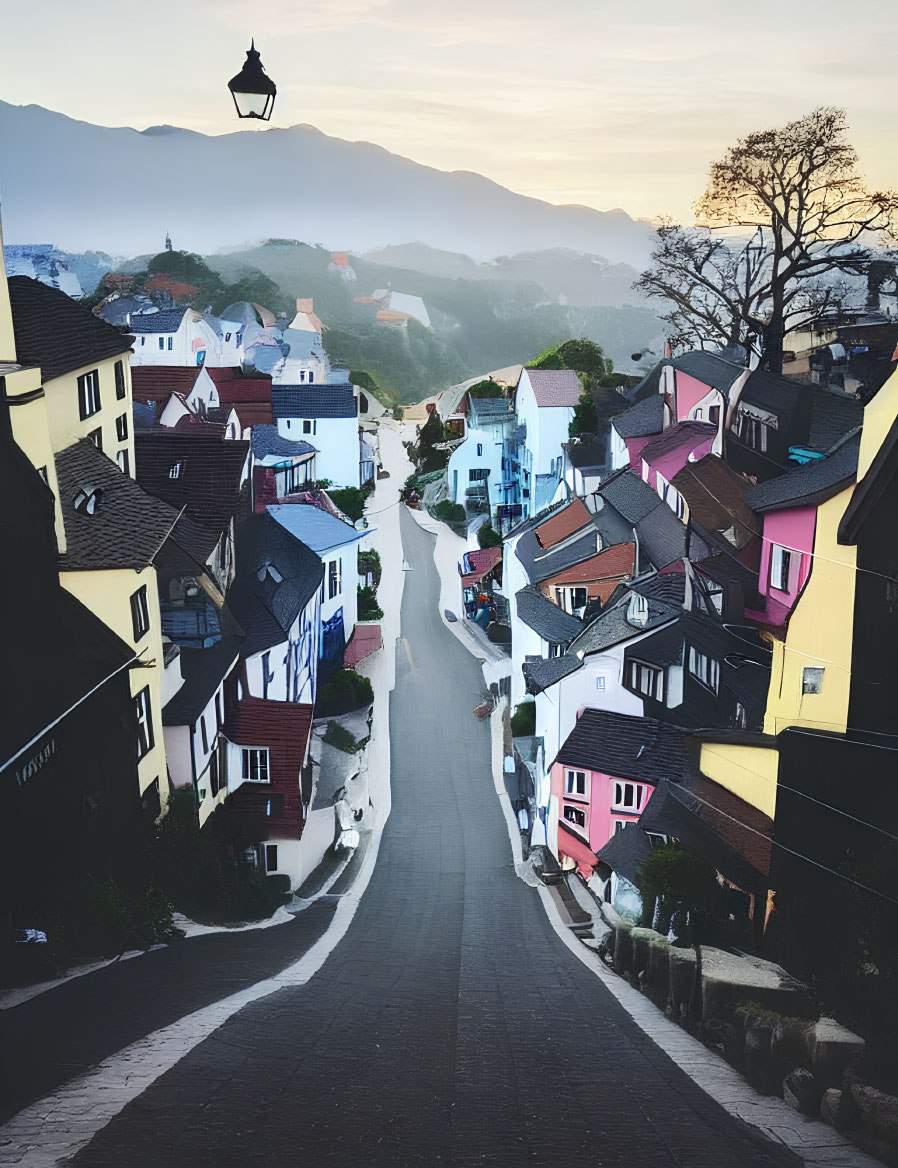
(773, 392)
(833, 415)
(208, 478)
(476, 564)
(716, 496)
(128, 526)
(646, 417)
(728, 832)
(321, 531)
(629, 495)
(811, 484)
(266, 441)
(555, 387)
(626, 852)
(563, 523)
(544, 565)
(611, 626)
(683, 436)
(611, 562)
(166, 321)
(541, 672)
(235, 386)
(551, 622)
(268, 607)
(159, 382)
(628, 747)
(313, 401)
(203, 671)
(708, 368)
(662, 536)
(52, 331)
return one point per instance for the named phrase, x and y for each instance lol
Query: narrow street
(450, 1026)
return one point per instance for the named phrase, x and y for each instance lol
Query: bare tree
(814, 221)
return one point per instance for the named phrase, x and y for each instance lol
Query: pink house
(664, 456)
(604, 776)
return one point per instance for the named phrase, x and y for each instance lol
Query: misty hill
(120, 190)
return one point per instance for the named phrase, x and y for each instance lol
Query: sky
(573, 101)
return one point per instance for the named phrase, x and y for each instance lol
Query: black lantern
(252, 90)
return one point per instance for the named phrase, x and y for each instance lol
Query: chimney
(305, 304)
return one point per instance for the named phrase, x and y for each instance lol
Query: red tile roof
(611, 563)
(365, 640)
(555, 387)
(233, 387)
(563, 523)
(479, 563)
(159, 382)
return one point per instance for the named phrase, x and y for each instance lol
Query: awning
(571, 845)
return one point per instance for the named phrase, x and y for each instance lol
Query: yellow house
(68, 384)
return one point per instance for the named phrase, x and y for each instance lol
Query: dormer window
(176, 469)
(704, 669)
(269, 571)
(637, 610)
(87, 500)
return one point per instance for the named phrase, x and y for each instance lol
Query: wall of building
(31, 431)
(67, 426)
(794, 529)
(108, 595)
(466, 458)
(601, 818)
(347, 598)
(337, 443)
(184, 350)
(748, 771)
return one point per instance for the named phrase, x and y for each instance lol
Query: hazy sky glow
(575, 101)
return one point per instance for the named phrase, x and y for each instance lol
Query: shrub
(398, 413)
(449, 512)
(341, 738)
(523, 720)
(368, 606)
(350, 500)
(487, 388)
(369, 561)
(487, 536)
(345, 691)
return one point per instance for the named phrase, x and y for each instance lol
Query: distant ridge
(86, 186)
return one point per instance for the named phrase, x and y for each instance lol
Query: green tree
(581, 355)
(487, 536)
(487, 388)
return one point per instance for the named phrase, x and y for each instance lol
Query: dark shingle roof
(773, 392)
(313, 401)
(629, 496)
(266, 440)
(551, 563)
(56, 333)
(551, 622)
(683, 436)
(128, 527)
(643, 749)
(833, 415)
(541, 672)
(708, 368)
(203, 671)
(167, 321)
(267, 608)
(208, 482)
(716, 496)
(626, 852)
(646, 417)
(807, 485)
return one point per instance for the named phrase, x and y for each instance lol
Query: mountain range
(121, 190)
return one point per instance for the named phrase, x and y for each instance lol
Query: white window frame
(255, 758)
(780, 567)
(89, 394)
(647, 679)
(620, 788)
(145, 742)
(334, 578)
(704, 669)
(576, 785)
(572, 814)
(661, 485)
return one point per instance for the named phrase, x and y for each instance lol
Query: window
(214, 774)
(271, 857)
(478, 474)
(576, 816)
(812, 679)
(555, 650)
(87, 500)
(698, 414)
(626, 796)
(656, 839)
(162, 342)
(121, 427)
(140, 613)
(705, 669)
(170, 345)
(121, 457)
(227, 336)
(714, 414)
(218, 718)
(120, 390)
(267, 675)
(174, 471)
(203, 734)
(479, 449)
(307, 428)
(143, 340)
(661, 485)
(144, 723)
(255, 764)
(780, 563)
(575, 783)
(740, 717)
(333, 579)
(311, 377)
(274, 808)
(600, 682)
(647, 680)
(578, 597)
(752, 431)
(89, 393)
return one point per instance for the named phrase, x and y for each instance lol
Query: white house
(475, 467)
(544, 405)
(174, 336)
(327, 417)
(335, 543)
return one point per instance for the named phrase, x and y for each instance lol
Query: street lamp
(252, 90)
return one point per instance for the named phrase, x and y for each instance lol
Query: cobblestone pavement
(52, 1038)
(450, 1026)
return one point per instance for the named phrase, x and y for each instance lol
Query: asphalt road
(450, 1026)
